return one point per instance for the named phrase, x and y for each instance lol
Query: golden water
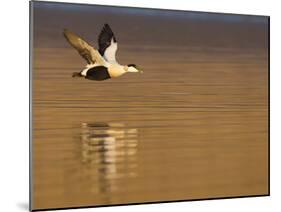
(189, 127)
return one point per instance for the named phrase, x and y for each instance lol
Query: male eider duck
(101, 64)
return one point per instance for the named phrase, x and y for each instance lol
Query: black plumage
(97, 73)
(132, 65)
(105, 38)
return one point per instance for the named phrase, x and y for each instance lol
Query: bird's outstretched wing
(107, 44)
(89, 53)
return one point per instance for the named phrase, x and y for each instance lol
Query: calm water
(187, 128)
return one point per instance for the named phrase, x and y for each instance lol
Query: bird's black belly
(98, 73)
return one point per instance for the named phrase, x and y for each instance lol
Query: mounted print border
(137, 105)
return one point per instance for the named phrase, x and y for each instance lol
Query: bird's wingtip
(65, 31)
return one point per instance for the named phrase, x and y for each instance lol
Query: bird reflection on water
(109, 150)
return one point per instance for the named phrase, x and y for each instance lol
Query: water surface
(188, 128)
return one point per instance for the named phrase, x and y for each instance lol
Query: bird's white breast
(115, 70)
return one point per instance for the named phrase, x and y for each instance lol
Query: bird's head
(132, 68)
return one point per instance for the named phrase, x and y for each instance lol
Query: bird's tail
(76, 74)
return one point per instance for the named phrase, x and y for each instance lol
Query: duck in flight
(101, 63)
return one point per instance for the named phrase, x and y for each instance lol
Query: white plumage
(110, 52)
